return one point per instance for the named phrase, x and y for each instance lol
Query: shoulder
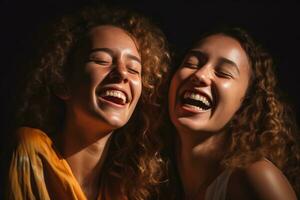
(26, 169)
(260, 180)
(27, 137)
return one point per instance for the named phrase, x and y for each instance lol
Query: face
(209, 86)
(107, 85)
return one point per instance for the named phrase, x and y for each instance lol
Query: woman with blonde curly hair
(235, 138)
(87, 108)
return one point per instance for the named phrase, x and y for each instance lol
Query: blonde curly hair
(133, 157)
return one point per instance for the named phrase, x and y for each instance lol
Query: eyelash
(218, 73)
(190, 65)
(133, 71)
(99, 62)
(223, 74)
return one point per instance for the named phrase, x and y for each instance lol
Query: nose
(202, 77)
(119, 72)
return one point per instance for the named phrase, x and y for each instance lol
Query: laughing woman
(235, 138)
(87, 108)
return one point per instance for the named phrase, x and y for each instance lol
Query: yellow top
(37, 171)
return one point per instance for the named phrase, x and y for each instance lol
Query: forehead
(219, 47)
(220, 43)
(111, 36)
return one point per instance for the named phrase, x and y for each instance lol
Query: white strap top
(218, 188)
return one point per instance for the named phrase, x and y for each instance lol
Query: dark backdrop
(275, 25)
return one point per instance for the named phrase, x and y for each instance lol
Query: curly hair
(134, 160)
(264, 126)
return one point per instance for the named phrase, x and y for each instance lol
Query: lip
(114, 87)
(192, 110)
(111, 103)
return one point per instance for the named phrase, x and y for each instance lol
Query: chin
(192, 126)
(116, 122)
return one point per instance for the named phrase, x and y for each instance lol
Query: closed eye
(190, 65)
(132, 70)
(224, 74)
(194, 59)
(227, 68)
(134, 66)
(99, 62)
(101, 56)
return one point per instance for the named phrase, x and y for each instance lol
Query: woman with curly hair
(235, 138)
(87, 109)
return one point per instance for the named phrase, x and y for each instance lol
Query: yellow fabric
(37, 171)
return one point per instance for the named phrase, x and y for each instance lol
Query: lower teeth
(196, 107)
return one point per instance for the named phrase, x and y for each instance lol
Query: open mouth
(196, 100)
(114, 96)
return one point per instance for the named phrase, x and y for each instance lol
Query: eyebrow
(109, 51)
(198, 54)
(222, 60)
(230, 62)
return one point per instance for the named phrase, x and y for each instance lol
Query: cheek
(226, 85)
(92, 75)
(233, 94)
(183, 73)
(136, 85)
(97, 75)
(95, 79)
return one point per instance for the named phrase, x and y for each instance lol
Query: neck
(198, 157)
(86, 165)
(85, 148)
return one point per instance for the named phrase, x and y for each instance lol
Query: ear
(62, 92)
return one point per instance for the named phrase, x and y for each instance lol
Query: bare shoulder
(261, 180)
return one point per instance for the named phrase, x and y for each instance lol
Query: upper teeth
(196, 97)
(115, 93)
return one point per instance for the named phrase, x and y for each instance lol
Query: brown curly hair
(263, 127)
(133, 158)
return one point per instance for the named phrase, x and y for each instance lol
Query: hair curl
(264, 126)
(134, 158)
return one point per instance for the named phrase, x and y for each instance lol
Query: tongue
(115, 100)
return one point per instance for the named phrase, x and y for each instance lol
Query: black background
(275, 25)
